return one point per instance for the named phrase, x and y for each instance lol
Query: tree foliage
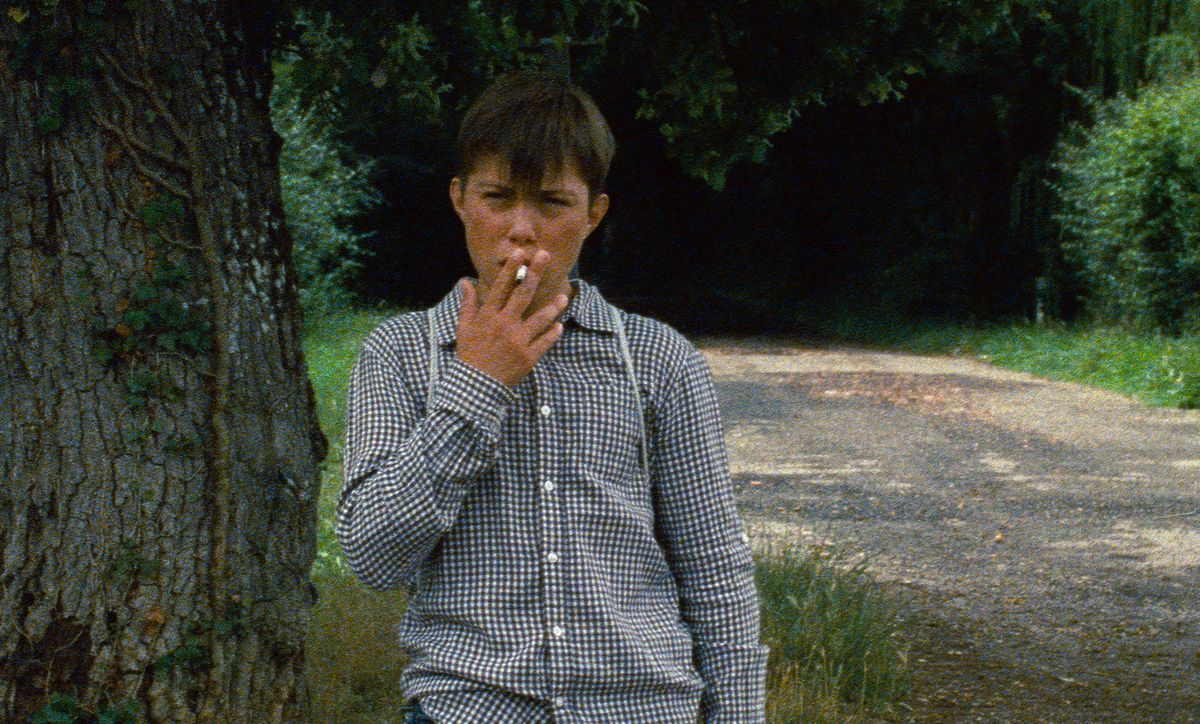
(1131, 192)
(1126, 39)
(717, 80)
(927, 189)
(727, 78)
(321, 192)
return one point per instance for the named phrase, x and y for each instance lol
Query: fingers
(470, 300)
(543, 342)
(522, 294)
(546, 317)
(499, 293)
(503, 344)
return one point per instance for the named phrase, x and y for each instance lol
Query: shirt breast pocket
(607, 436)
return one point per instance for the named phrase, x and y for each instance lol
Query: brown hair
(536, 121)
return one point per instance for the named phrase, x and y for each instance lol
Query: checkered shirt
(550, 579)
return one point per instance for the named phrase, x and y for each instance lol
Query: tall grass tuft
(353, 661)
(836, 651)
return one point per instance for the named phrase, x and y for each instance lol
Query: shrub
(320, 192)
(1131, 196)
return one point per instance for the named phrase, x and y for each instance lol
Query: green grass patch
(353, 664)
(353, 661)
(331, 345)
(836, 650)
(1160, 370)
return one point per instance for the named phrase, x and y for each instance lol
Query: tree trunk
(158, 443)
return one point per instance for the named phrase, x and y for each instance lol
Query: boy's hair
(536, 121)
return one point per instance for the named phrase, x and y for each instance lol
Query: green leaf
(125, 713)
(137, 319)
(162, 207)
(62, 709)
(49, 122)
(143, 293)
(103, 352)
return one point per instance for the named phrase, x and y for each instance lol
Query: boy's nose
(523, 228)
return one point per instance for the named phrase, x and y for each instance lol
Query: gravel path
(1042, 537)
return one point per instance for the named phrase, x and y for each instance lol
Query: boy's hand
(499, 334)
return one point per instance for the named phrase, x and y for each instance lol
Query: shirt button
(548, 485)
(552, 557)
(545, 411)
(558, 632)
(559, 702)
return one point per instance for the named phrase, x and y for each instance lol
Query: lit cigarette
(521, 273)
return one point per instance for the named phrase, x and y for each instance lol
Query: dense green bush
(1131, 197)
(320, 192)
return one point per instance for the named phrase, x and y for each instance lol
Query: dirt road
(1043, 537)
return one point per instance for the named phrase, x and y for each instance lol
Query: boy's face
(501, 220)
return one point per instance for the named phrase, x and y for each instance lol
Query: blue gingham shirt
(550, 580)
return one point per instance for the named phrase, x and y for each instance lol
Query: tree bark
(159, 448)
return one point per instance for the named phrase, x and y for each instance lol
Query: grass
(330, 347)
(837, 653)
(1161, 371)
(353, 664)
(353, 661)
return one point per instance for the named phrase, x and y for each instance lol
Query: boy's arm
(705, 544)
(406, 474)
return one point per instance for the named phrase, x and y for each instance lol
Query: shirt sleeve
(705, 543)
(408, 469)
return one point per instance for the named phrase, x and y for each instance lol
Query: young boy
(544, 473)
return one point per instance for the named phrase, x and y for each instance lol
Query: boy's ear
(597, 210)
(456, 195)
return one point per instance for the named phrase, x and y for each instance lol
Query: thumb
(470, 299)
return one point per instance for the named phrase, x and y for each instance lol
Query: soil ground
(1042, 538)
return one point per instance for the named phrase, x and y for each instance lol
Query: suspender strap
(433, 359)
(623, 342)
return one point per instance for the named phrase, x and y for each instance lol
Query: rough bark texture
(157, 515)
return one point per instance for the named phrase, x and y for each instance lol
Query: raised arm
(407, 473)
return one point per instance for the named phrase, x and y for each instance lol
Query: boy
(544, 473)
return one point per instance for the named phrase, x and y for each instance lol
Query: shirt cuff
(477, 397)
(735, 683)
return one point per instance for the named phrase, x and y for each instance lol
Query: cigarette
(521, 273)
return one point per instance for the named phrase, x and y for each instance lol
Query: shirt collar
(587, 309)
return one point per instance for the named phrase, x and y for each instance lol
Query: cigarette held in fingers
(521, 272)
